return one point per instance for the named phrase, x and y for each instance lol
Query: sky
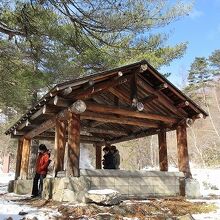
(201, 29)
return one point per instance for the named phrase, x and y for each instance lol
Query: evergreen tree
(214, 60)
(199, 78)
(199, 73)
(53, 41)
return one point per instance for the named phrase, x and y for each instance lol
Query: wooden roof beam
(134, 89)
(104, 131)
(60, 101)
(45, 110)
(141, 134)
(182, 104)
(161, 98)
(128, 112)
(177, 92)
(118, 120)
(51, 136)
(24, 124)
(149, 98)
(118, 93)
(161, 87)
(102, 86)
(77, 107)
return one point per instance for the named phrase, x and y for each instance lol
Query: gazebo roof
(122, 104)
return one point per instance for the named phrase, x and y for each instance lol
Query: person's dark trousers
(37, 189)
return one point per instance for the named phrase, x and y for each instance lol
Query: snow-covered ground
(17, 211)
(207, 178)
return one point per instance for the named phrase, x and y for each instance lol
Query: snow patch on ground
(102, 191)
(10, 209)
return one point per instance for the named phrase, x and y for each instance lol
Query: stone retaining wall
(130, 184)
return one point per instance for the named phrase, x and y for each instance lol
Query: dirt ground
(155, 209)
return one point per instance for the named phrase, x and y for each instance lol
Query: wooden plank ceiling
(122, 104)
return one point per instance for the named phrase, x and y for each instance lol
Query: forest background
(44, 42)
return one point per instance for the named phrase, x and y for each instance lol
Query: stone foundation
(130, 184)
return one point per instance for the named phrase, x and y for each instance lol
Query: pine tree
(53, 41)
(214, 60)
(199, 73)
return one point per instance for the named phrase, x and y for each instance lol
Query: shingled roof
(122, 104)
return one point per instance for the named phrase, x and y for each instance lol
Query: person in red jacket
(42, 164)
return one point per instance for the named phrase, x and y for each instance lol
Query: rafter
(118, 120)
(104, 131)
(128, 112)
(161, 98)
(100, 87)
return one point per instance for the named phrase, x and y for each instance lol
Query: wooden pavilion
(118, 105)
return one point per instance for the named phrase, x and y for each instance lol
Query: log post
(18, 159)
(182, 149)
(73, 144)
(33, 158)
(98, 156)
(162, 140)
(25, 158)
(60, 143)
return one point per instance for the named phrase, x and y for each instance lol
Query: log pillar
(18, 159)
(60, 143)
(73, 144)
(182, 150)
(162, 141)
(25, 158)
(98, 156)
(33, 158)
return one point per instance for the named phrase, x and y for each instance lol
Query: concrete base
(130, 184)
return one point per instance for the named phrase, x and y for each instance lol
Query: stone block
(119, 181)
(23, 187)
(69, 196)
(134, 190)
(168, 190)
(103, 197)
(11, 186)
(146, 189)
(77, 184)
(107, 181)
(58, 195)
(192, 188)
(122, 189)
(133, 181)
(47, 188)
(95, 182)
